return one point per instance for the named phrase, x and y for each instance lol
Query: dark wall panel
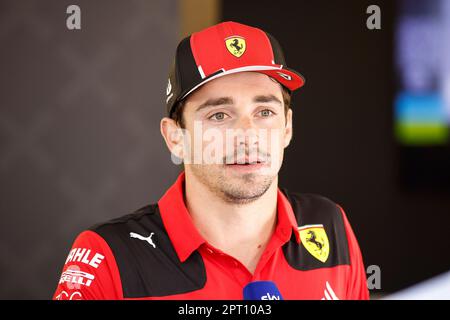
(79, 127)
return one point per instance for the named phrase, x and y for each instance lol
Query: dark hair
(177, 114)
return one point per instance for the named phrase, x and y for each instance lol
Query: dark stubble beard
(240, 190)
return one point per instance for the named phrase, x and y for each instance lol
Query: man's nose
(246, 123)
(246, 130)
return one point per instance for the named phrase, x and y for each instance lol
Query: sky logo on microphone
(262, 290)
(269, 296)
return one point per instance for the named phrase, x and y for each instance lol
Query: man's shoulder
(122, 232)
(144, 215)
(117, 231)
(146, 258)
(322, 230)
(310, 208)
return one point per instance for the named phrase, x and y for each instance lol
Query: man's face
(241, 123)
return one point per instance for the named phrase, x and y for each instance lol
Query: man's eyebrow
(215, 102)
(267, 98)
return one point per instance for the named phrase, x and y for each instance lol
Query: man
(224, 224)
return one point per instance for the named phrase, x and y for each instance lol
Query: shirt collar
(177, 220)
(287, 223)
(185, 237)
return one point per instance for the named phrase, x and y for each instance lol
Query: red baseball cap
(222, 49)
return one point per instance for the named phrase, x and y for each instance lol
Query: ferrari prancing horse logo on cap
(235, 45)
(315, 240)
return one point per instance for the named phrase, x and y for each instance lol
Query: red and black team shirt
(157, 253)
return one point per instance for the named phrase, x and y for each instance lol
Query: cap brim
(287, 77)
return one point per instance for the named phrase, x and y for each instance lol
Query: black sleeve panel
(147, 271)
(311, 209)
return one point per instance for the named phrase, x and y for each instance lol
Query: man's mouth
(246, 163)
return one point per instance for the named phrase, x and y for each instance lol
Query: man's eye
(219, 116)
(266, 113)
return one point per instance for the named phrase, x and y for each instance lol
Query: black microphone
(262, 290)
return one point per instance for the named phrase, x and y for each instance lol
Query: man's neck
(241, 231)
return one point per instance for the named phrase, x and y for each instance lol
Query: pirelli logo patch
(315, 240)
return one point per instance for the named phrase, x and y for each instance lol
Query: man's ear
(173, 136)
(288, 128)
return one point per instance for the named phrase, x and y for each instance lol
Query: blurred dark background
(80, 141)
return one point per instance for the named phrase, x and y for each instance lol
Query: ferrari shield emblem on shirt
(235, 45)
(315, 240)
